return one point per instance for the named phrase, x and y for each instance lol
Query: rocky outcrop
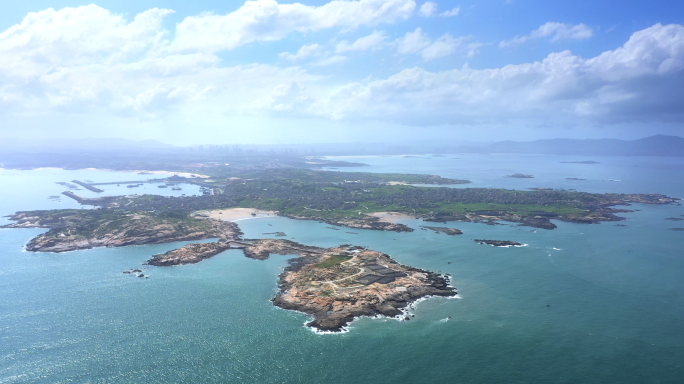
(261, 249)
(365, 222)
(499, 243)
(75, 229)
(333, 285)
(189, 254)
(444, 230)
(335, 294)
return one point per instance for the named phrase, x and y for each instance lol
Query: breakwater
(87, 186)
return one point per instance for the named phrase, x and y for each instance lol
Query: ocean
(579, 304)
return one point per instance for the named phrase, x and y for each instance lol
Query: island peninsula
(333, 285)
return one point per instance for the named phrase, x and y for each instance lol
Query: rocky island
(333, 285)
(499, 243)
(444, 230)
(336, 285)
(521, 176)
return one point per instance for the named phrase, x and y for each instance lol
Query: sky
(265, 71)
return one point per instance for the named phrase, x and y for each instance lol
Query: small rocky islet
(444, 230)
(499, 243)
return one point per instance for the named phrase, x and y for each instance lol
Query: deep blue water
(579, 304)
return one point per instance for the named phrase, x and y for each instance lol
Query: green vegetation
(312, 176)
(347, 199)
(91, 223)
(333, 261)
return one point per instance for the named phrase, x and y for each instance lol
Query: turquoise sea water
(579, 304)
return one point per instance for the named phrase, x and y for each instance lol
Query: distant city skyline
(341, 71)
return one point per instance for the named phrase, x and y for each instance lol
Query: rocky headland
(72, 230)
(189, 254)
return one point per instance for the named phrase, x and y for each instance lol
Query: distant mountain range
(658, 145)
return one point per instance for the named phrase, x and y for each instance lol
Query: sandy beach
(391, 217)
(235, 214)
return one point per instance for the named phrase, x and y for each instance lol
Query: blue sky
(319, 71)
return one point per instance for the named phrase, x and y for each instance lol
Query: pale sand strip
(391, 217)
(235, 214)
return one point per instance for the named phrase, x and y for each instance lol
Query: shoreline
(236, 214)
(391, 217)
(135, 171)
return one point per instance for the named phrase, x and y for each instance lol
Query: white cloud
(304, 52)
(642, 80)
(329, 61)
(473, 49)
(558, 30)
(413, 42)
(417, 42)
(452, 12)
(372, 41)
(444, 46)
(428, 9)
(284, 98)
(50, 38)
(88, 60)
(266, 20)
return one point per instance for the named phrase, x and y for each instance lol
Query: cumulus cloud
(417, 42)
(372, 41)
(452, 12)
(304, 52)
(284, 98)
(87, 59)
(559, 31)
(266, 20)
(413, 42)
(50, 38)
(642, 80)
(444, 46)
(429, 9)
